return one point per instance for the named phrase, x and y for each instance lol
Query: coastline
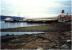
(53, 27)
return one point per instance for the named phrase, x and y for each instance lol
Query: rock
(65, 46)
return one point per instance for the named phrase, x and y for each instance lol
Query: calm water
(18, 33)
(4, 25)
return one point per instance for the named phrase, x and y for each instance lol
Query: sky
(34, 8)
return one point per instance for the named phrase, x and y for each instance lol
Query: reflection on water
(18, 33)
(4, 25)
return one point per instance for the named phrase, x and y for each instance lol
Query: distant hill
(13, 17)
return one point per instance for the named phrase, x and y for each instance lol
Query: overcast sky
(34, 8)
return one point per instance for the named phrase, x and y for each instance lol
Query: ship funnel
(62, 11)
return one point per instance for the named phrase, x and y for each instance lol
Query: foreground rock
(48, 40)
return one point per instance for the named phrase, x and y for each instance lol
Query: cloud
(32, 8)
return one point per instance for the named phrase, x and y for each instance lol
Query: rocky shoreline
(55, 36)
(48, 40)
